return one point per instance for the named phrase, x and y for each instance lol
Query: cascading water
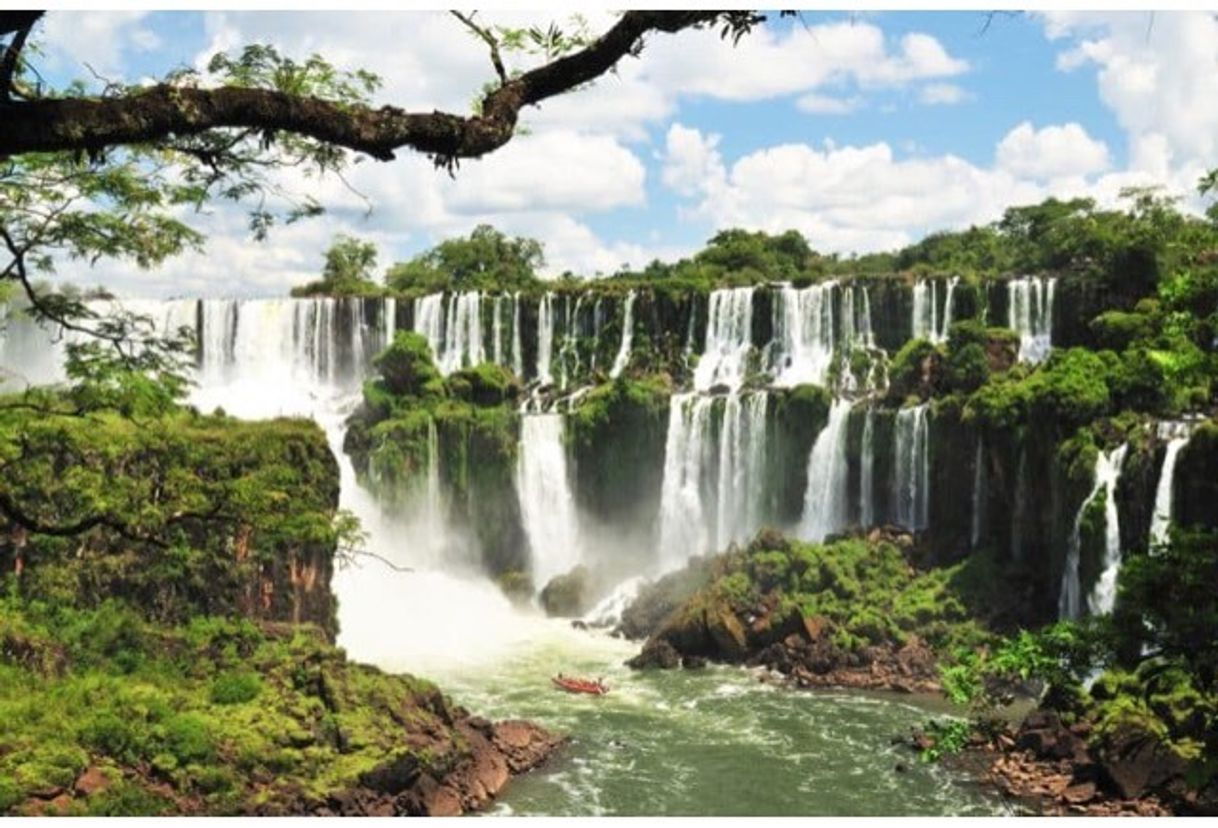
(926, 310)
(548, 506)
(1069, 605)
(1030, 314)
(740, 474)
(309, 358)
(912, 494)
(867, 471)
(729, 339)
(683, 525)
(1103, 596)
(545, 339)
(714, 474)
(826, 500)
(1177, 435)
(949, 308)
(623, 352)
(802, 348)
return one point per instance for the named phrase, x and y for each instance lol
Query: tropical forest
(307, 509)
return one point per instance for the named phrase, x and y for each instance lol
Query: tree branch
(489, 39)
(164, 111)
(11, 60)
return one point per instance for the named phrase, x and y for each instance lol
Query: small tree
(487, 259)
(348, 270)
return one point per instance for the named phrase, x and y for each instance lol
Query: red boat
(576, 685)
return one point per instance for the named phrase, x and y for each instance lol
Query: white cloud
(1051, 152)
(942, 94)
(76, 41)
(691, 161)
(1159, 75)
(827, 104)
(554, 170)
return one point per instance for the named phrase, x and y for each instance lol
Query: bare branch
(491, 41)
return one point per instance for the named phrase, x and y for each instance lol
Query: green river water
(702, 742)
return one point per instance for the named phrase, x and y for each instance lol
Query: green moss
(319, 723)
(235, 688)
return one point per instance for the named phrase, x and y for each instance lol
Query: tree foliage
(487, 259)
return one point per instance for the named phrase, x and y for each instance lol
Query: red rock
(92, 781)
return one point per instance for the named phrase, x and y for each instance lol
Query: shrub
(235, 688)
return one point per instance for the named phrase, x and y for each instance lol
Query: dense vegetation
(105, 713)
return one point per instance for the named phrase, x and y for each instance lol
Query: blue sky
(864, 131)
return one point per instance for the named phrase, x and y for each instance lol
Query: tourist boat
(576, 685)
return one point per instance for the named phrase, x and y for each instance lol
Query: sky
(864, 131)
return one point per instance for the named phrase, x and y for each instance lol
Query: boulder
(657, 654)
(1043, 733)
(1135, 762)
(727, 633)
(816, 627)
(91, 781)
(569, 595)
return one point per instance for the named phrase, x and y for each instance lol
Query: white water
(714, 474)
(623, 352)
(826, 499)
(948, 308)
(1177, 435)
(802, 347)
(683, 529)
(913, 468)
(729, 339)
(1103, 596)
(548, 506)
(926, 310)
(1069, 604)
(867, 471)
(545, 339)
(1030, 314)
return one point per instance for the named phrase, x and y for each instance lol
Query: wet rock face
(570, 595)
(1135, 763)
(493, 753)
(656, 654)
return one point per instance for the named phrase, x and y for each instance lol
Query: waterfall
(826, 500)
(453, 329)
(715, 475)
(1177, 435)
(517, 351)
(623, 352)
(913, 468)
(1103, 596)
(802, 347)
(545, 338)
(948, 308)
(979, 496)
(740, 473)
(568, 353)
(864, 327)
(729, 331)
(546, 501)
(1069, 604)
(1030, 314)
(683, 530)
(867, 471)
(926, 310)
(497, 331)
